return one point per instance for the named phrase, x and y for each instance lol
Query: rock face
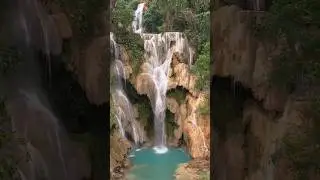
(249, 151)
(193, 170)
(191, 123)
(197, 127)
(89, 61)
(63, 25)
(239, 54)
(119, 149)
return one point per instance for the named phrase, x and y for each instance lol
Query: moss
(9, 58)
(146, 116)
(204, 109)
(145, 112)
(178, 94)
(201, 68)
(121, 26)
(170, 123)
(83, 15)
(204, 175)
(8, 163)
(302, 146)
(295, 23)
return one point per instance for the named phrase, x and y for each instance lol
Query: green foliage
(178, 94)
(170, 123)
(122, 15)
(9, 57)
(145, 112)
(84, 16)
(191, 17)
(200, 33)
(133, 4)
(202, 68)
(204, 109)
(152, 19)
(204, 175)
(8, 164)
(146, 116)
(302, 146)
(296, 22)
(121, 19)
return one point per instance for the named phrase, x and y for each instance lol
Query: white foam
(138, 149)
(131, 155)
(160, 149)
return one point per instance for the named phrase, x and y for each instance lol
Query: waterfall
(137, 21)
(159, 50)
(52, 154)
(124, 109)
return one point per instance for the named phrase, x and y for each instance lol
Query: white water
(51, 154)
(137, 21)
(159, 49)
(124, 109)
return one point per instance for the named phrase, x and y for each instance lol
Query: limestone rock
(196, 127)
(172, 105)
(119, 149)
(95, 75)
(239, 54)
(63, 25)
(196, 169)
(128, 71)
(144, 84)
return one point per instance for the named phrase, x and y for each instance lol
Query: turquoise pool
(150, 165)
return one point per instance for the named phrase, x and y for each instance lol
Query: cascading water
(159, 49)
(137, 21)
(124, 109)
(52, 154)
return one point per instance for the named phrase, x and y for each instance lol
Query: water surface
(149, 165)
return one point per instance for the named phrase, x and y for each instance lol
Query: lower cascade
(159, 49)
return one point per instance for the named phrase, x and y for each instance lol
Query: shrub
(83, 15)
(204, 109)
(178, 94)
(202, 68)
(8, 164)
(296, 22)
(122, 17)
(9, 58)
(170, 123)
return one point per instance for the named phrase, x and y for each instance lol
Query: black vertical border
(211, 89)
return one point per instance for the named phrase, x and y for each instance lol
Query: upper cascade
(137, 21)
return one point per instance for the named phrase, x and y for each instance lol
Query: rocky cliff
(192, 125)
(251, 143)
